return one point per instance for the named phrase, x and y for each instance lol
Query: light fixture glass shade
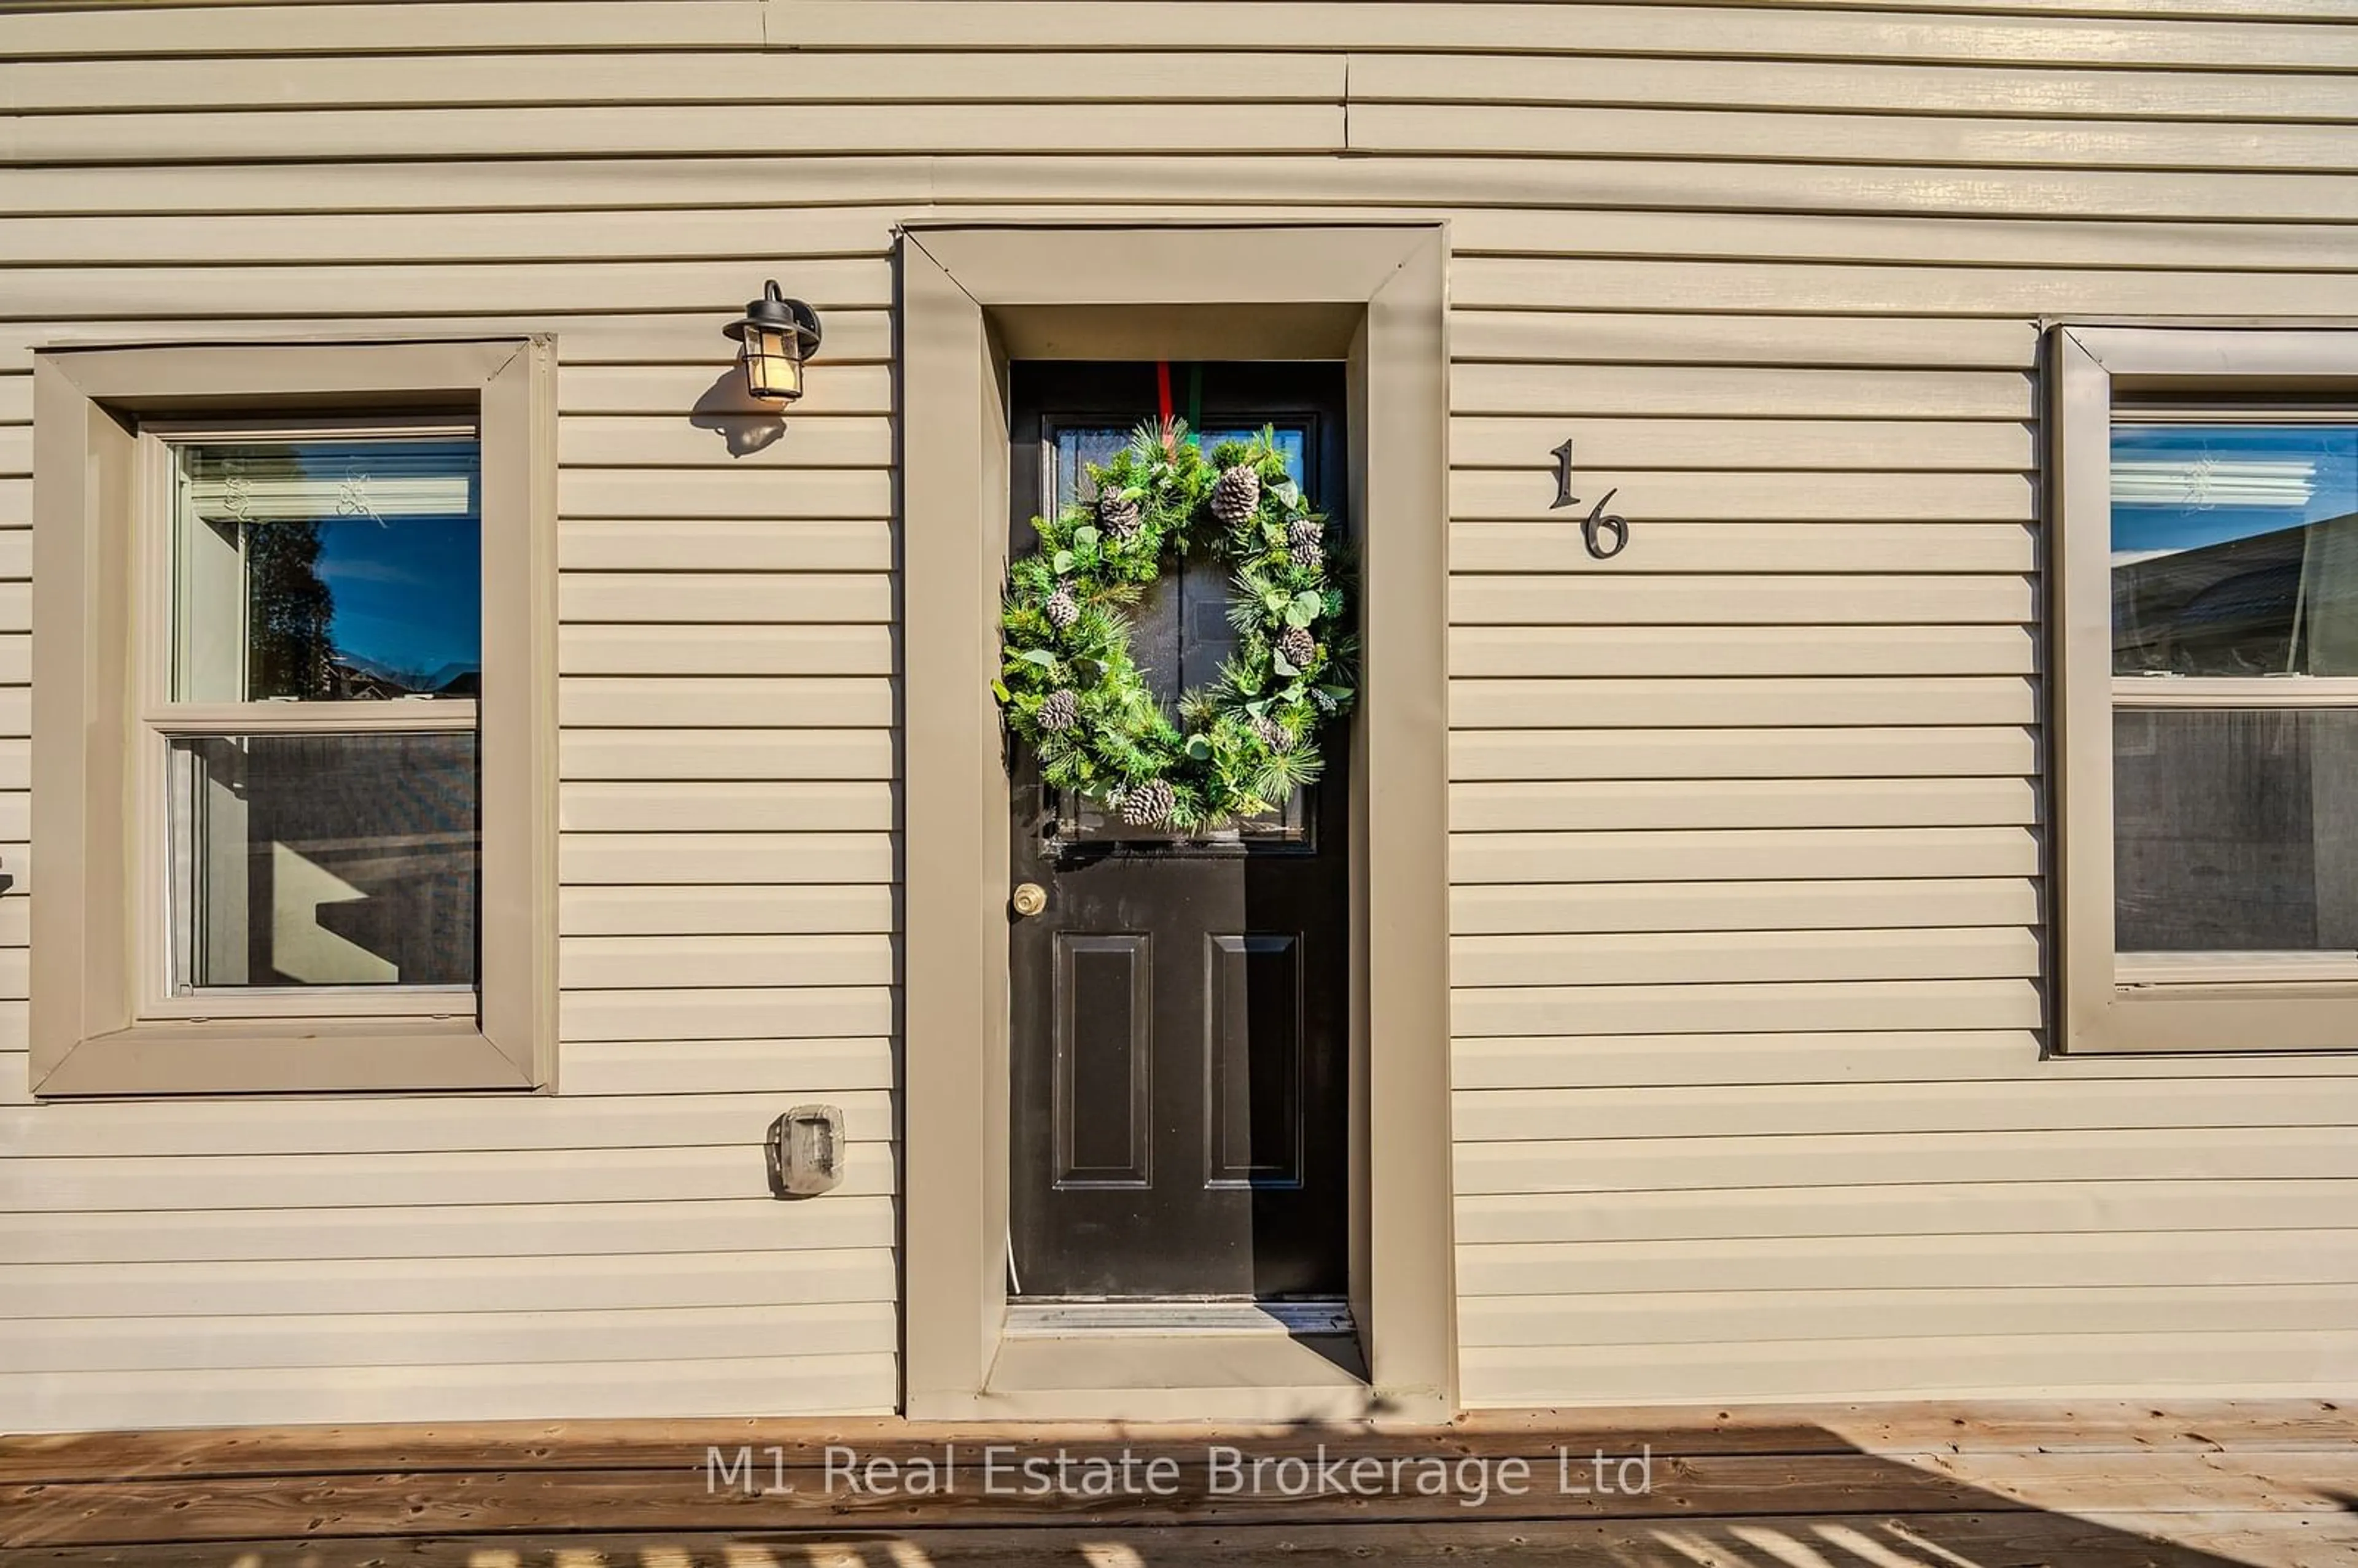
(776, 335)
(774, 372)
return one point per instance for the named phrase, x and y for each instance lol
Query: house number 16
(1599, 523)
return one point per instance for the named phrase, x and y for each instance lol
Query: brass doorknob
(1030, 899)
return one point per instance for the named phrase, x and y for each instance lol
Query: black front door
(1179, 1014)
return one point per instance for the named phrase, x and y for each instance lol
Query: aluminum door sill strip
(1288, 1319)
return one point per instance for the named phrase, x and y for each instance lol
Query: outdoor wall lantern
(774, 339)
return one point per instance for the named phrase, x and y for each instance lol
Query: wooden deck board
(1939, 1541)
(1982, 1427)
(2165, 1485)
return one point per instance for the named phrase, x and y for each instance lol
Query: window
(314, 666)
(2207, 605)
(316, 707)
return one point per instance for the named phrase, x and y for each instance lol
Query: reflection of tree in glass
(289, 652)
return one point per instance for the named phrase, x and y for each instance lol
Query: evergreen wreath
(1236, 747)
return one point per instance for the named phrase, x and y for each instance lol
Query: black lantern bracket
(774, 312)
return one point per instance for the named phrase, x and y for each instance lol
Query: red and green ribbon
(1194, 400)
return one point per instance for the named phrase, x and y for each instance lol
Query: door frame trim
(970, 299)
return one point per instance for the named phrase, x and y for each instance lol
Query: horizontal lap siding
(727, 916)
(1745, 823)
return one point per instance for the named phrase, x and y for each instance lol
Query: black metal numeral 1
(1564, 496)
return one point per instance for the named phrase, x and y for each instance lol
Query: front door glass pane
(1180, 631)
(1179, 628)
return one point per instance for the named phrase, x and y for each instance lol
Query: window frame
(103, 1019)
(2188, 1003)
(160, 718)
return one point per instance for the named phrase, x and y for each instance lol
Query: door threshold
(1248, 1368)
(1282, 1319)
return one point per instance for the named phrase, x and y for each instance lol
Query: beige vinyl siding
(726, 920)
(1745, 823)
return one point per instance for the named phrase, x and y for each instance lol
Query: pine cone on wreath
(1273, 735)
(1062, 608)
(1149, 805)
(1120, 518)
(1306, 558)
(1297, 647)
(1060, 710)
(1306, 531)
(1235, 494)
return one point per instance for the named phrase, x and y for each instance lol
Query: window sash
(2162, 691)
(2133, 967)
(155, 931)
(161, 719)
(399, 716)
(2132, 970)
(2234, 691)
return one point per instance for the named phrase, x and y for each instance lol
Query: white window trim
(101, 1019)
(2109, 1001)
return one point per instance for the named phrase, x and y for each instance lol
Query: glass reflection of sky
(2186, 487)
(389, 529)
(408, 585)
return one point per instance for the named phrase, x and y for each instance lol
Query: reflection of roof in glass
(2187, 568)
(2228, 608)
(2266, 596)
